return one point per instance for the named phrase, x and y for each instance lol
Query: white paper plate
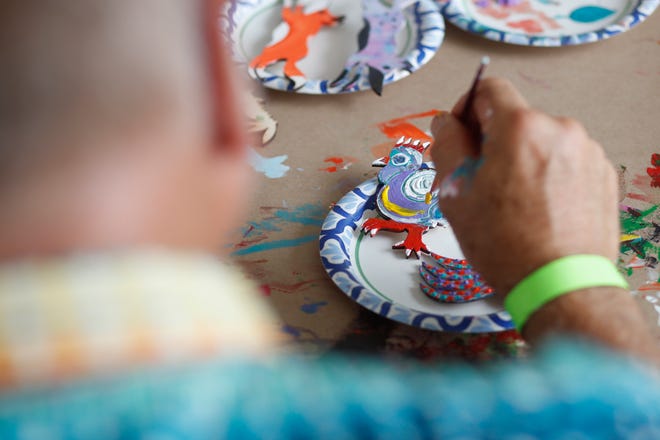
(382, 280)
(249, 25)
(548, 22)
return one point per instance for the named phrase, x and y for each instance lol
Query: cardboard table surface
(612, 87)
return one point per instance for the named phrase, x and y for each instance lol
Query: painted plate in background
(249, 25)
(547, 22)
(382, 280)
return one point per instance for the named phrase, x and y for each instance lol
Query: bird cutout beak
(383, 161)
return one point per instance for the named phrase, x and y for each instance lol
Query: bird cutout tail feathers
(452, 281)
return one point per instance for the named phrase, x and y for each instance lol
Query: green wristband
(557, 278)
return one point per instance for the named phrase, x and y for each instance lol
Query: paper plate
(382, 280)
(251, 25)
(547, 22)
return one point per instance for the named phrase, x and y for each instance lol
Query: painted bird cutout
(406, 205)
(403, 197)
(289, 42)
(377, 46)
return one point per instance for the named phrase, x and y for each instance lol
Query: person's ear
(226, 116)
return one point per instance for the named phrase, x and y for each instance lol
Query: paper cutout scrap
(452, 281)
(404, 183)
(293, 47)
(259, 120)
(377, 48)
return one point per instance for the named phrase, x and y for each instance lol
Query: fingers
(496, 98)
(451, 145)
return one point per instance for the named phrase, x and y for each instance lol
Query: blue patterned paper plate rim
(424, 15)
(456, 15)
(337, 239)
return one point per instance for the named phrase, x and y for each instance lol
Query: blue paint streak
(589, 14)
(310, 215)
(313, 308)
(277, 244)
(291, 331)
(307, 215)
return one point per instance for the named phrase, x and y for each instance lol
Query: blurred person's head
(118, 127)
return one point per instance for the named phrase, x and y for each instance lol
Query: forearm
(608, 315)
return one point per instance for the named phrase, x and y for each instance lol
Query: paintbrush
(449, 186)
(467, 116)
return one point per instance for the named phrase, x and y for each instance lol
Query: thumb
(452, 143)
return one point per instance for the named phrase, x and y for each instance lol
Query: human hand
(543, 190)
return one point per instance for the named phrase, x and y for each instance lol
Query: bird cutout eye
(400, 159)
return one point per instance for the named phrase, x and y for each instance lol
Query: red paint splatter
(654, 171)
(254, 268)
(245, 243)
(291, 288)
(534, 81)
(530, 26)
(265, 289)
(338, 163)
(247, 232)
(641, 181)
(642, 197)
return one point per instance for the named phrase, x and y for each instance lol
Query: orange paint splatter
(338, 163)
(529, 26)
(651, 286)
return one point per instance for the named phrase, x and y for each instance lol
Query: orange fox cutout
(293, 47)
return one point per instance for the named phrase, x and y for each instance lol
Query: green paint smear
(635, 223)
(631, 223)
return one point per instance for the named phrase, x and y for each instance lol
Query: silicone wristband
(559, 277)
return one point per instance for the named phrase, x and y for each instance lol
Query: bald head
(77, 74)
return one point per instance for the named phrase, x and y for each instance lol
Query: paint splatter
(312, 308)
(640, 227)
(654, 171)
(256, 236)
(338, 163)
(307, 340)
(271, 167)
(529, 25)
(292, 288)
(275, 244)
(534, 81)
